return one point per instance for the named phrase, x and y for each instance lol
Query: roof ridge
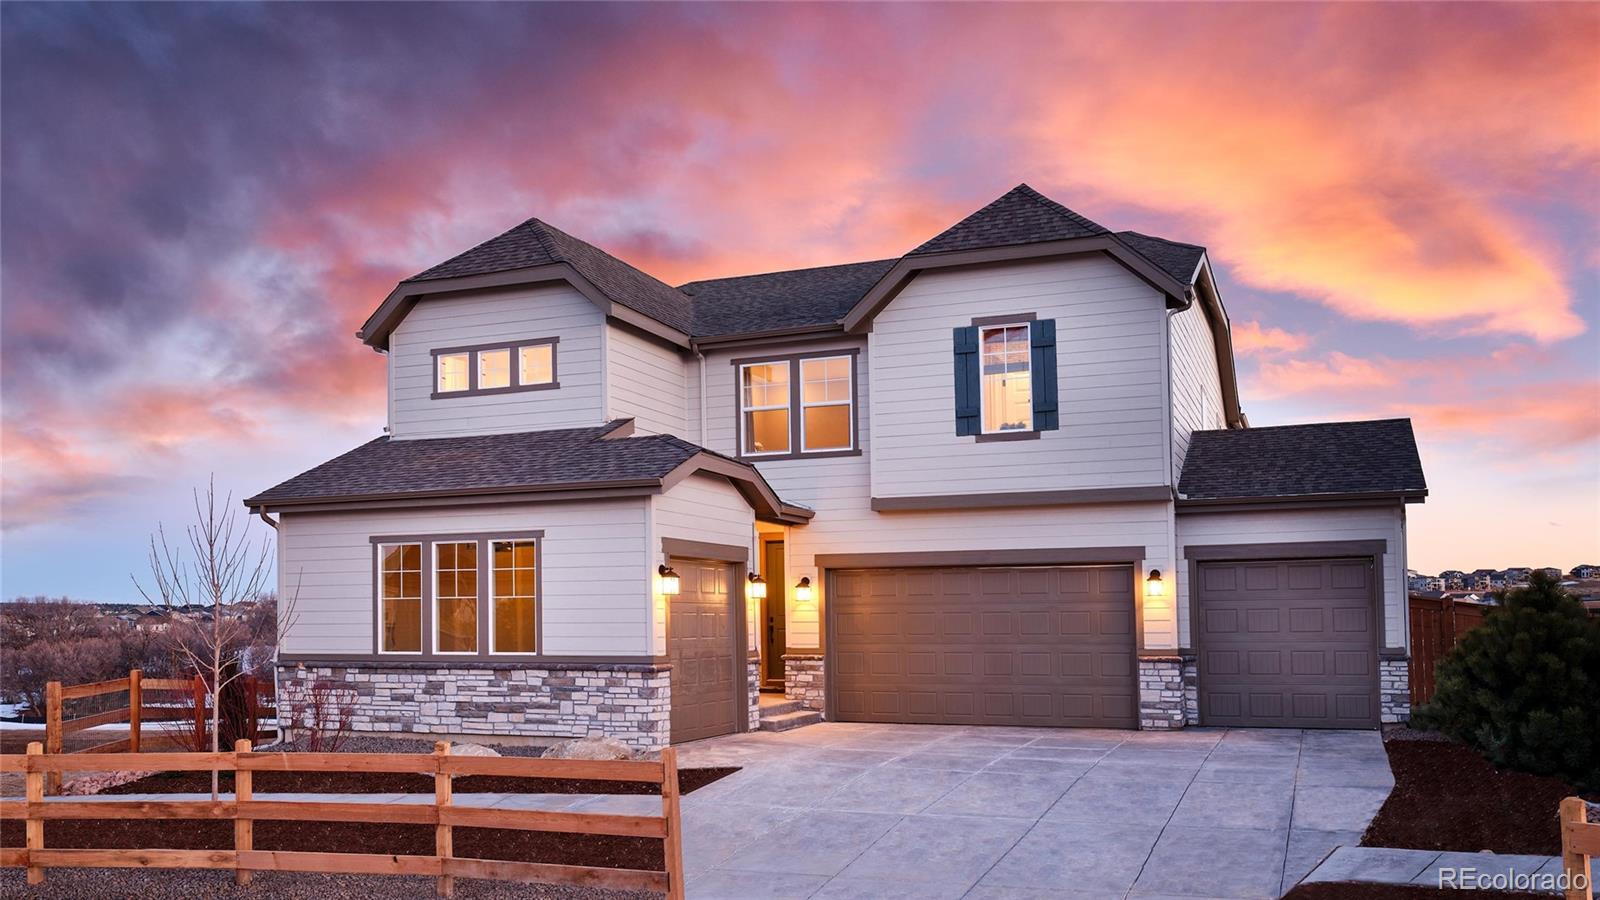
(1028, 191)
(541, 233)
(607, 254)
(1305, 425)
(1157, 237)
(864, 262)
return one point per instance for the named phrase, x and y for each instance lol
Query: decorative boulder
(592, 747)
(472, 750)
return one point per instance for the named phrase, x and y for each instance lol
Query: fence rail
(1580, 844)
(1437, 625)
(244, 811)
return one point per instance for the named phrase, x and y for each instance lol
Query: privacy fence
(1437, 624)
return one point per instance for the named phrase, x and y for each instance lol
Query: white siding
(490, 317)
(646, 381)
(1385, 523)
(1110, 359)
(700, 508)
(1196, 386)
(595, 591)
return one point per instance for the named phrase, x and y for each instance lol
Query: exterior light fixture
(669, 580)
(756, 587)
(1153, 586)
(803, 592)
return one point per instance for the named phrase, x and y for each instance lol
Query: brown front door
(772, 637)
(1288, 643)
(703, 649)
(984, 646)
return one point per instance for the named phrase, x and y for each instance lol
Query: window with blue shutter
(968, 396)
(1046, 416)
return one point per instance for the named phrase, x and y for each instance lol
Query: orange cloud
(1255, 339)
(1337, 372)
(1550, 416)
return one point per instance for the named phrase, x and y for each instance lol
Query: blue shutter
(1046, 416)
(966, 373)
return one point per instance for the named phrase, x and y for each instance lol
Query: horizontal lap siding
(494, 317)
(1109, 367)
(646, 382)
(1303, 526)
(702, 508)
(1196, 386)
(595, 598)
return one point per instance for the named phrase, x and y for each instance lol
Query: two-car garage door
(1046, 646)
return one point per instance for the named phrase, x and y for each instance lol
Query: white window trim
(438, 373)
(422, 587)
(489, 597)
(787, 405)
(477, 601)
(519, 379)
(513, 361)
(849, 402)
(983, 395)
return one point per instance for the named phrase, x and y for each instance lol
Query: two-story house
(1002, 479)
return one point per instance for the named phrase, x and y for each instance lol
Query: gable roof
(1181, 261)
(1020, 216)
(564, 461)
(780, 300)
(1375, 458)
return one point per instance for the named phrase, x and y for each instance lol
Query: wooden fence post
(200, 742)
(244, 830)
(672, 848)
(135, 708)
(35, 781)
(443, 846)
(1574, 862)
(52, 729)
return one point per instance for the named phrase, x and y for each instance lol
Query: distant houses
(1481, 585)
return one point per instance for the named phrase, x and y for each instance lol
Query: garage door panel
(1021, 650)
(1288, 643)
(706, 678)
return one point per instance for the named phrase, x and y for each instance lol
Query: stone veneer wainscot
(802, 679)
(1394, 690)
(627, 701)
(1162, 703)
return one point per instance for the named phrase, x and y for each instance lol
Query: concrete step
(778, 707)
(791, 720)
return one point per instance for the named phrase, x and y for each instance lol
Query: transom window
(400, 598)
(433, 594)
(1007, 380)
(495, 369)
(797, 406)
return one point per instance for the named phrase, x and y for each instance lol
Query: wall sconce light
(1153, 586)
(803, 592)
(756, 587)
(669, 580)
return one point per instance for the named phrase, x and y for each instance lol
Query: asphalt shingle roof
(576, 457)
(751, 303)
(1176, 259)
(1021, 216)
(1378, 456)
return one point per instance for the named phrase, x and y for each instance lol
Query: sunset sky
(199, 205)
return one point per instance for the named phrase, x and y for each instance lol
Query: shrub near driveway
(1524, 687)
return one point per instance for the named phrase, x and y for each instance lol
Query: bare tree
(217, 565)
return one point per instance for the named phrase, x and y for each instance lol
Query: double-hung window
(1007, 394)
(527, 365)
(1006, 383)
(797, 406)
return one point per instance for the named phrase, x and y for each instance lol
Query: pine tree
(1524, 687)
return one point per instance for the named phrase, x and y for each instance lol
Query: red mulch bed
(404, 783)
(1340, 890)
(1448, 797)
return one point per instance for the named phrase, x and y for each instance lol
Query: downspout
(701, 383)
(1178, 618)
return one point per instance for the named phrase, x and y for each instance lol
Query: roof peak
(1021, 215)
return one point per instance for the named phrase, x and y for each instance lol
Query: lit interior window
(515, 595)
(1007, 381)
(456, 597)
(825, 403)
(401, 597)
(538, 364)
(494, 368)
(453, 372)
(765, 400)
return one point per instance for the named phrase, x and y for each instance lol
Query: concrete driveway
(842, 810)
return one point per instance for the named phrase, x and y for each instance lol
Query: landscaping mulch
(1343, 890)
(402, 783)
(1448, 797)
(117, 884)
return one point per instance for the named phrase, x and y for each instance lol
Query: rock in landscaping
(472, 750)
(590, 748)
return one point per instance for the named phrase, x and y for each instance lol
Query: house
(1585, 571)
(1002, 479)
(1453, 578)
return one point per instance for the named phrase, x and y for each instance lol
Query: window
(527, 365)
(456, 597)
(453, 373)
(1007, 388)
(515, 595)
(400, 597)
(825, 393)
(765, 408)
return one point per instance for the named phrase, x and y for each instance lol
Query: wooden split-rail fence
(1580, 844)
(244, 811)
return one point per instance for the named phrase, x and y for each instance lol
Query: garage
(707, 673)
(1288, 643)
(1039, 646)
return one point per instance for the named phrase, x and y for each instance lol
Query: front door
(773, 639)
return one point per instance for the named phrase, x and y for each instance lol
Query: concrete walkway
(1431, 868)
(884, 811)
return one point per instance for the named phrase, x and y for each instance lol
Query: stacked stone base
(1163, 704)
(1394, 690)
(753, 693)
(629, 702)
(802, 679)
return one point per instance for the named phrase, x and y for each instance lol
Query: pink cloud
(1255, 339)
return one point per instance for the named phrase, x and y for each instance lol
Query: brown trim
(771, 336)
(1301, 501)
(1065, 556)
(688, 549)
(1288, 550)
(1003, 436)
(447, 537)
(983, 321)
(805, 653)
(1221, 339)
(512, 349)
(1393, 653)
(485, 600)
(1008, 499)
(796, 409)
(618, 663)
(747, 480)
(859, 319)
(1182, 654)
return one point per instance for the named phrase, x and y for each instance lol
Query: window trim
(429, 555)
(983, 404)
(796, 410)
(849, 403)
(787, 407)
(378, 597)
(514, 348)
(538, 593)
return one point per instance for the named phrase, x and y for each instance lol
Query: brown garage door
(1025, 646)
(701, 648)
(1288, 643)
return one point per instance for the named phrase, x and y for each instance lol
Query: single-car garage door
(984, 646)
(700, 645)
(1288, 643)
